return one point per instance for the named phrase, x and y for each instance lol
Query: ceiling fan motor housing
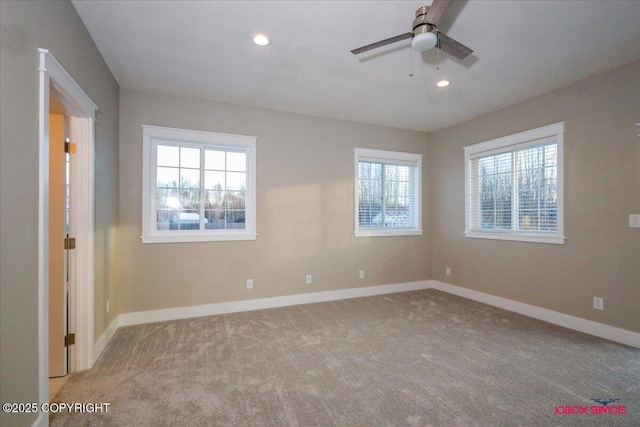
(424, 37)
(420, 24)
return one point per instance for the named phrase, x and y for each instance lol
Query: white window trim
(150, 234)
(508, 143)
(396, 157)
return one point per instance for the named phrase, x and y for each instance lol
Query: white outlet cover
(598, 303)
(634, 221)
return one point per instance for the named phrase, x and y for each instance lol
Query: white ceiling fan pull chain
(410, 63)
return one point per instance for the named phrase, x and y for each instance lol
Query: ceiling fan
(425, 34)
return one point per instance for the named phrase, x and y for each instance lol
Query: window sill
(199, 237)
(387, 232)
(517, 237)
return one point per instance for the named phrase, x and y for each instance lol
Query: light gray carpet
(408, 359)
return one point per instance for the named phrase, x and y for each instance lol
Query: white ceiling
(203, 49)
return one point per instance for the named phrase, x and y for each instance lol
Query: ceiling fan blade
(437, 9)
(452, 47)
(381, 43)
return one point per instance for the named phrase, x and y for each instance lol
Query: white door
(58, 242)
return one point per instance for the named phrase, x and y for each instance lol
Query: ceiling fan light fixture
(423, 42)
(261, 40)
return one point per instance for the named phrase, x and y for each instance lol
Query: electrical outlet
(361, 274)
(598, 303)
(308, 279)
(249, 283)
(108, 301)
(448, 271)
(634, 221)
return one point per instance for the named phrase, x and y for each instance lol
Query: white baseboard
(101, 343)
(601, 330)
(571, 322)
(152, 316)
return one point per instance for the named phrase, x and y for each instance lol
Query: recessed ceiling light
(443, 83)
(261, 40)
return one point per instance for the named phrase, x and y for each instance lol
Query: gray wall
(601, 256)
(26, 26)
(305, 210)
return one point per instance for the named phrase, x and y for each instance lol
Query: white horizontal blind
(387, 194)
(515, 189)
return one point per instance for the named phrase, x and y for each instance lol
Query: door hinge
(70, 243)
(70, 147)
(69, 339)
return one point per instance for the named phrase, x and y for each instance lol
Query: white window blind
(514, 187)
(387, 193)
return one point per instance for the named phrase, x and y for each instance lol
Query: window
(514, 188)
(197, 186)
(387, 193)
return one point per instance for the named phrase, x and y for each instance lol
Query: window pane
(214, 199)
(189, 178)
(168, 155)
(503, 163)
(167, 203)
(529, 219)
(167, 198)
(494, 176)
(370, 170)
(189, 157)
(167, 206)
(487, 165)
(551, 154)
(370, 215)
(236, 181)
(215, 219)
(189, 199)
(186, 220)
(235, 200)
(537, 184)
(503, 200)
(235, 219)
(167, 177)
(225, 219)
(396, 173)
(214, 160)
(396, 191)
(370, 194)
(214, 180)
(549, 219)
(236, 161)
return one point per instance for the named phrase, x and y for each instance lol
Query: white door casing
(82, 112)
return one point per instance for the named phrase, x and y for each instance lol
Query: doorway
(58, 232)
(57, 87)
(59, 235)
